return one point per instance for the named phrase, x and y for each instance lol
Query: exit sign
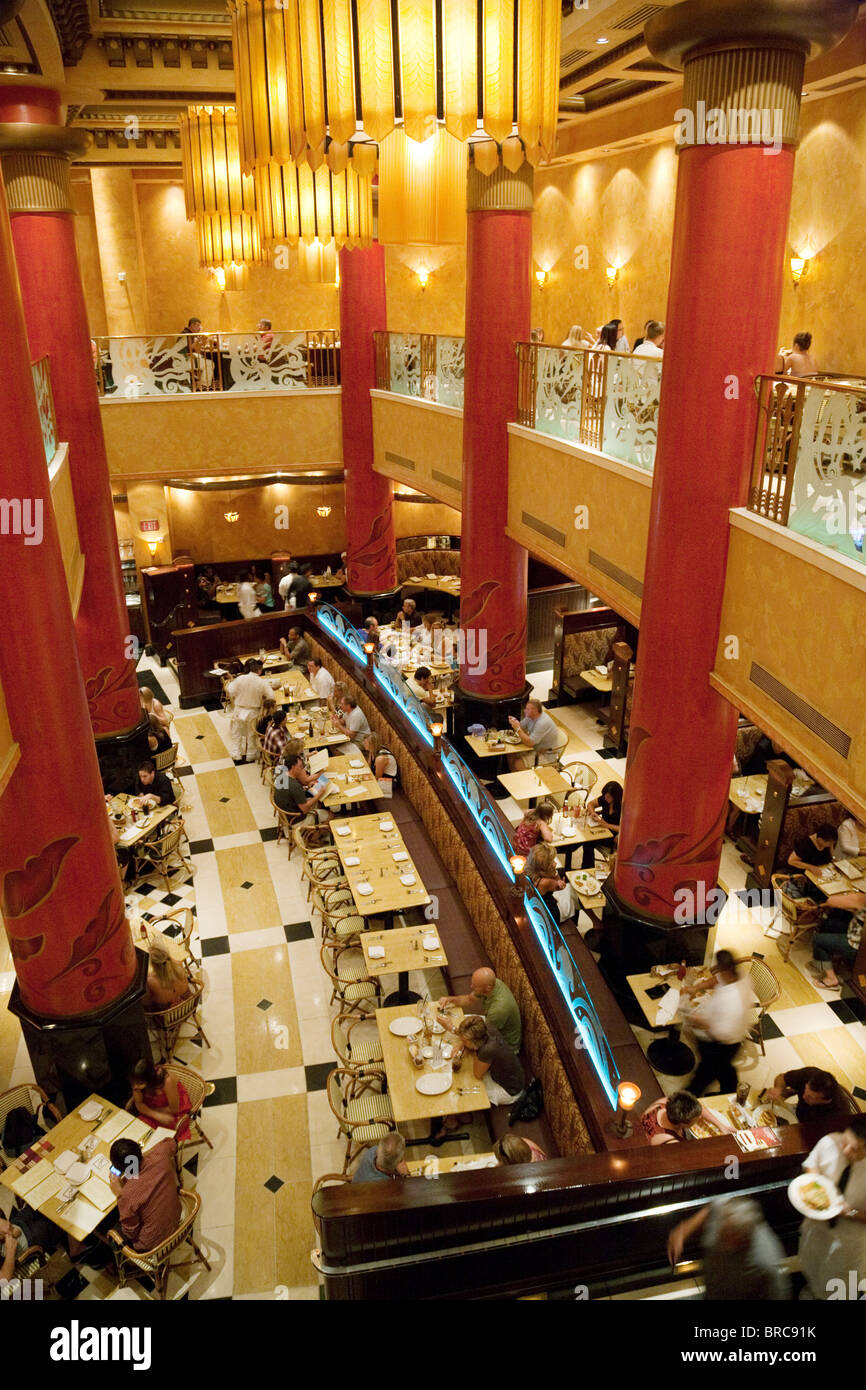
(148, 526)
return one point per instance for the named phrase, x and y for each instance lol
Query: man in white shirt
(537, 732)
(285, 586)
(421, 685)
(247, 694)
(352, 722)
(720, 1022)
(320, 680)
(653, 343)
(247, 597)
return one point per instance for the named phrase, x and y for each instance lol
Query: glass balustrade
(425, 366)
(171, 364)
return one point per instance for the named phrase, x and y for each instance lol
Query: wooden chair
(165, 762)
(342, 929)
(157, 1262)
(159, 853)
(801, 914)
(267, 759)
(183, 918)
(364, 1115)
(24, 1096)
(167, 1023)
(353, 1054)
(767, 989)
(355, 990)
(323, 871)
(310, 839)
(581, 776)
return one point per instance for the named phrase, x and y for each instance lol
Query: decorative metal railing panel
(339, 626)
(392, 682)
(449, 371)
(631, 409)
(481, 805)
(559, 392)
(186, 363)
(45, 405)
(404, 352)
(589, 1036)
(421, 365)
(809, 466)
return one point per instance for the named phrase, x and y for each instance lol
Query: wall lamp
(542, 277)
(152, 547)
(437, 729)
(518, 864)
(799, 268)
(612, 273)
(370, 649)
(423, 277)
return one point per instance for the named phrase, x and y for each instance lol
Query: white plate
(351, 861)
(386, 825)
(356, 762)
(837, 1201)
(91, 1111)
(436, 1028)
(430, 943)
(365, 889)
(408, 879)
(434, 1083)
(399, 856)
(405, 1027)
(77, 1173)
(63, 1162)
(344, 829)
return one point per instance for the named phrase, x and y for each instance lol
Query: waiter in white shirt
(247, 604)
(247, 694)
(285, 586)
(719, 1022)
(320, 680)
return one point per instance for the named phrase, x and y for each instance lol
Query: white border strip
(305, 393)
(418, 403)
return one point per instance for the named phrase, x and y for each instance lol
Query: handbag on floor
(530, 1105)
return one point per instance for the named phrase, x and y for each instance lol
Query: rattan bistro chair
(161, 852)
(165, 762)
(354, 1052)
(167, 1023)
(364, 1115)
(31, 1098)
(157, 1262)
(767, 990)
(802, 915)
(581, 776)
(351, 986)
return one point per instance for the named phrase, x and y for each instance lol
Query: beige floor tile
(229, 816)
(265, 1039)
(206, 749)
(247, 909)
(296, 1235)
(835, 1051)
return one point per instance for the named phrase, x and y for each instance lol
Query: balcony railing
(607, 400)
(423, 365)
(172, 364)
(45, 405)
(809, 466)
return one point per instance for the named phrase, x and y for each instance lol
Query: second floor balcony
(172, 364)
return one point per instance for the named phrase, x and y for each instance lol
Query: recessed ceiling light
(602, 40)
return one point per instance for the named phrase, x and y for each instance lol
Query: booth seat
(472, 933)
(424, 562)
(581, 651)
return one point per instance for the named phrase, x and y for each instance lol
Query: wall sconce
(542, 277)
(370, 649)
(437, 731)
(627, 1097)
(423, 277)
(612, 273)
(518, 864)
(219, 275)
(232, 516)
(313, 597)
(152, 546)
(799, 268)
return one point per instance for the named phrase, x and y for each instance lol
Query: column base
(93, 1052)
(631, 943)
(379, 606)
(490, 710)
(120, 755)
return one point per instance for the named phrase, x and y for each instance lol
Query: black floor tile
(215, 946)
(299, 931)
(857, 1007)
(225, 1092)
(608, 753)
(200, 846)
(317, 1075)
(184, 771)
(170, 899)
(771, 1029)
(270, 833)
(843, 1011)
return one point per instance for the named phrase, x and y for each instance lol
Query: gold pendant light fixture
(219, 198)
(315, 79)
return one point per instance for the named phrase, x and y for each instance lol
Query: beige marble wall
(121, 253)
(87, 246)
(147, 502)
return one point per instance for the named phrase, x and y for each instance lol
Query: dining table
(462, 1093)
(353, 780)
(598, 681)
(38, 1176)
(842, 876)
(525, 787)
(314, 732)
(146, 823)
(434, 1167)
(405, 949)
(379, 870)
(669, 1055)
(748, 794)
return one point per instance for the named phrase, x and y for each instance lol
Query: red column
(54, 309)
(722, 319)
(493, 568)
(370, 546)
(60, 892)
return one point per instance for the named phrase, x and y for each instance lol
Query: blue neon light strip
(480, 806)
(574, 991)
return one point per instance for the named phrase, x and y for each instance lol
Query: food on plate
(814, 1195)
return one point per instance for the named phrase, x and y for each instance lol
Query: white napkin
(408, 879)
(351, 860)
(668, 1007)
(386, 825)
(376, 952)
(399, 856)
(63, 1162)
(356, 762)
(363, 888)
(344, 830)
(430, 943)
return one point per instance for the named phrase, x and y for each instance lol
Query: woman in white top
(577, 338)
(385, 764)
(833, 1253)
(612, 337)
(423, 635)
